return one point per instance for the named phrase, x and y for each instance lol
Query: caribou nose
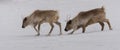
(66, 30)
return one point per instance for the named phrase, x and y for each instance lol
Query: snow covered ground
(13, 37)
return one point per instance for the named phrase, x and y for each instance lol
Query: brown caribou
(85, 18)
(42, 16)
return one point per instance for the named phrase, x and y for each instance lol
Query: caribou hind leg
(52, 26)
(109, 24)
(59, 24)
(107, 21)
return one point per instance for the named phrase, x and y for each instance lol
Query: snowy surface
(13, 37)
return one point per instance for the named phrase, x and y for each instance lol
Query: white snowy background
(13, 37)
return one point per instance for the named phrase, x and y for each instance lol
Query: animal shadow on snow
(65, 34)
(42, 35)
(89, 32)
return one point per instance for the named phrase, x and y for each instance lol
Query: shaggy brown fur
(85, 18)
(42, 16)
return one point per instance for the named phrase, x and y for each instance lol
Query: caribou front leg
(75, 28)
(52, 26)
(36, 30)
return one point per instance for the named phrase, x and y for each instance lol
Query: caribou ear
(70, 21)
(25, 19)
(102, 8)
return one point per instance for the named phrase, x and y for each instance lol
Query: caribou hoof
(38, 35)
